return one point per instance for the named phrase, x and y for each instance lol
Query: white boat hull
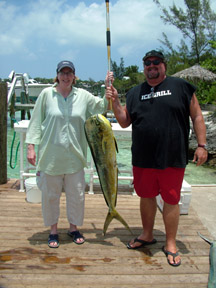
(33, 89)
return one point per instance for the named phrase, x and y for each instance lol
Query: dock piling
(3, 133)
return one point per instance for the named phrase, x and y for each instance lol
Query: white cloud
(132, 23)
(38, 30)
(8, 43)
(136, 25)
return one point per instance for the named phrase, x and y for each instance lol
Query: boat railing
(24, 105)
(15, 77)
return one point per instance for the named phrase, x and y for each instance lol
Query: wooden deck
(27, 261)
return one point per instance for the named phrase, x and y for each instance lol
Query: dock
(102, 261)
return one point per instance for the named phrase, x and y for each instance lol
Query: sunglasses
(155, 62)
(65, 73)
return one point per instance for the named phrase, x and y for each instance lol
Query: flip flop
(143, 243)
(53, 238)
(167, 253)
(76, 235)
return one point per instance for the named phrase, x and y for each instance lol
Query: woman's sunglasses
(155, 62)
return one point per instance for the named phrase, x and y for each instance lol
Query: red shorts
(149, 183)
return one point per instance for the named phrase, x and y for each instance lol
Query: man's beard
(153, 75)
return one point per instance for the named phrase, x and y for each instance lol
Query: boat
(22, 83)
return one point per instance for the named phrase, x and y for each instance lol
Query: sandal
(167, 253)
(76, 235)
(143, 243)
(53, 238)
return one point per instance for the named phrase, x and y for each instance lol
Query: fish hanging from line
(103, 148)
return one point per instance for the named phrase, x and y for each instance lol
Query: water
(193, 175)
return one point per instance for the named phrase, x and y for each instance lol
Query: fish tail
(204, 238)
(110, 216)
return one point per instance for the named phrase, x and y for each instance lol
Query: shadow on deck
(103, 261)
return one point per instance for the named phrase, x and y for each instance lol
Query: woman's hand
(31, 155)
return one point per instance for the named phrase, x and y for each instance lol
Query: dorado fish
(103, 148)
(212, 261)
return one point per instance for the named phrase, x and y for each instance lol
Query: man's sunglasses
(149, 62)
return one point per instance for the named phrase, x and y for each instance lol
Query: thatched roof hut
(196, 73)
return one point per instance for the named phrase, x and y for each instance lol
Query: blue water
(193, 175)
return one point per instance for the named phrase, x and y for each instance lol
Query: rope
(12, 146)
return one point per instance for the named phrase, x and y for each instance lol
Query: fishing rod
(108, 38)
(108, 34)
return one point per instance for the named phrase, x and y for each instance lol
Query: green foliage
(210, 64)
(122, 83)
(90, 85)
(206, 93)
(197, 24)
(44, 80)
(209, 59)
(118, 71)
(131, 69)
(177, 61)
(213, 44)
(126, 84)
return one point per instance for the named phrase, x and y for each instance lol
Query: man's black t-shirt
(160, 123)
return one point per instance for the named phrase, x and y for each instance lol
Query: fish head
(90, 123)
(97, 121)
(103, 122)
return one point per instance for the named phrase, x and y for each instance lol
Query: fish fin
(110, 216)
(108, 220)
(116, 145)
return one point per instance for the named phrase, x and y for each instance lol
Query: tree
(44, 80)
(131, 69)
(197, 24)
(210, 60)
(118, 71)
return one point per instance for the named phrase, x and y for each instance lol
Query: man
(159, 111)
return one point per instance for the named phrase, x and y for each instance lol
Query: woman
(57, 126)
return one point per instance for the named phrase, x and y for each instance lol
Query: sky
(37, 34)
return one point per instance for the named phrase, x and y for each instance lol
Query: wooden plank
(103, 261)
(68, 255)
(117, 280)
(64, 266)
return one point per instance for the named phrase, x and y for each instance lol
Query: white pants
(51, 188)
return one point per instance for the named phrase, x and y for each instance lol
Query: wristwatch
(203, 146)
